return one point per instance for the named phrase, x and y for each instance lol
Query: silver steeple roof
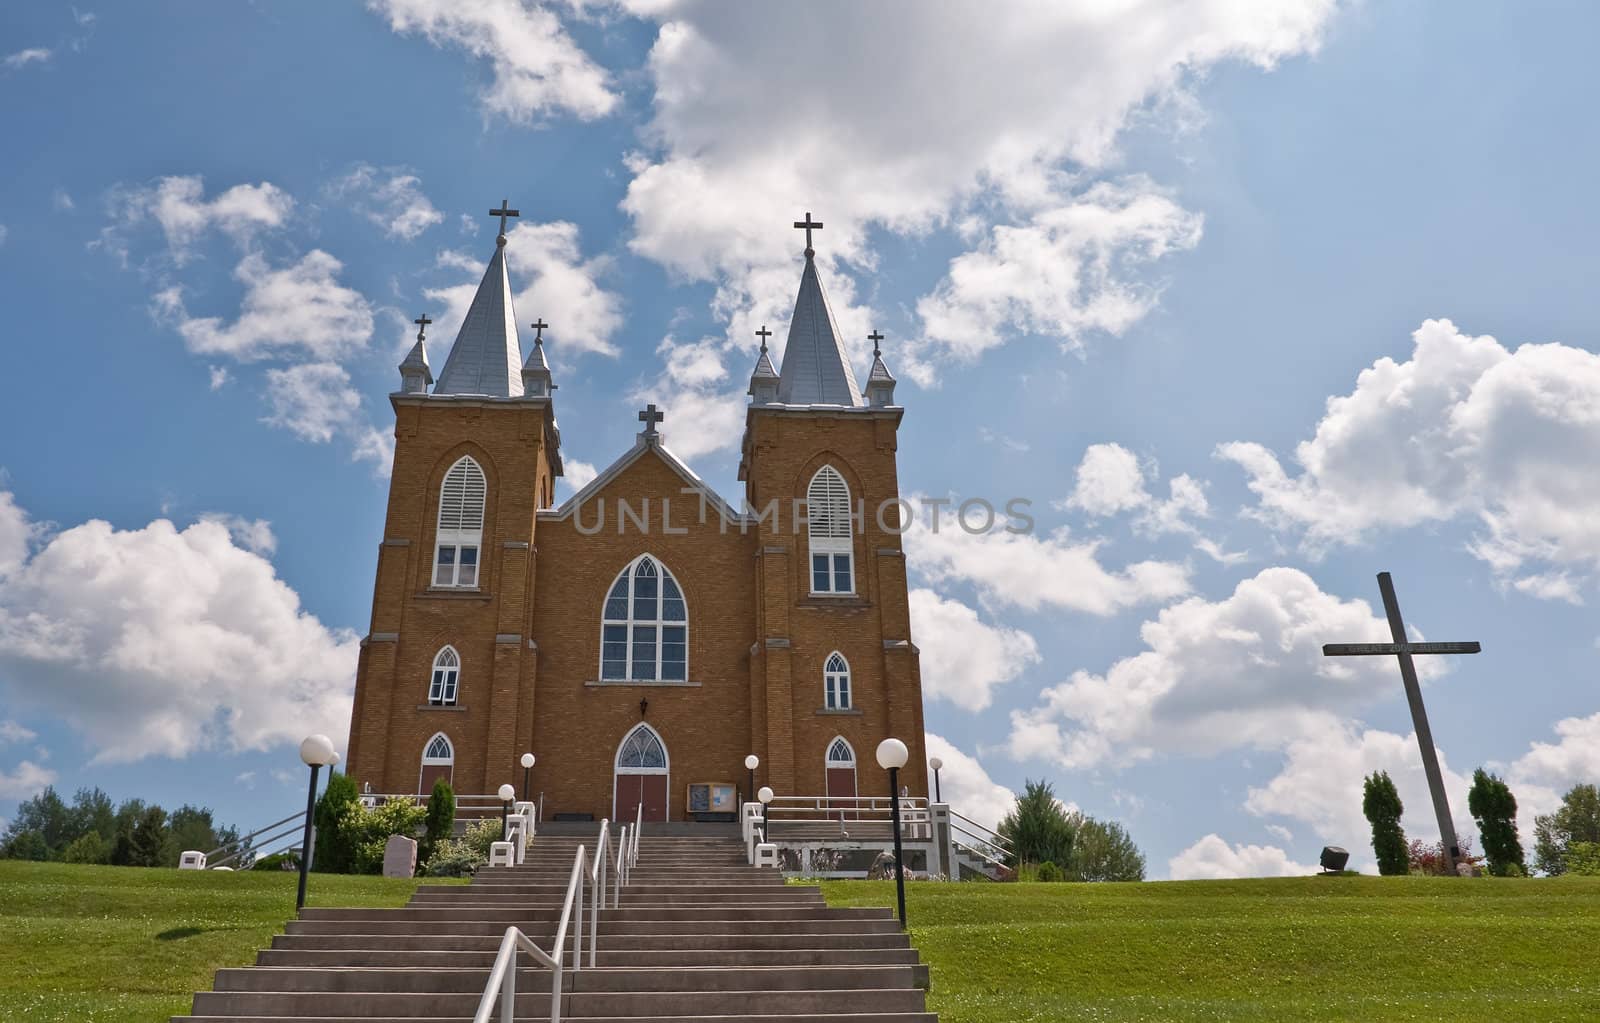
(487, 358)
(816, 368)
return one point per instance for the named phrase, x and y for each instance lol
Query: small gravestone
(400, 857)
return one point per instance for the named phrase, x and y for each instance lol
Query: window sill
(603, 683)
(851, 600)
(453, 593)
(459, 708)
(839, 712)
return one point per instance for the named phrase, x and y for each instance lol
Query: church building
(645, 636)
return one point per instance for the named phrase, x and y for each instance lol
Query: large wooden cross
(1403, 650)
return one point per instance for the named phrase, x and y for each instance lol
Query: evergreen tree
(334, 853)
(1495, 809)
(1380, 801)
(148, 839)
(1103, 851)
(1038, 828)
(441, 819)
(1578, 820)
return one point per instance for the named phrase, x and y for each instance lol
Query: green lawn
(1350, 948)
(122, 944)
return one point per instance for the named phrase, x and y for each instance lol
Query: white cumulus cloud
(1212, 858)
(964, 658)
(388, 197)
(25, 780)
(966, 785)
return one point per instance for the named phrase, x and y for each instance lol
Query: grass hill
(118, 943)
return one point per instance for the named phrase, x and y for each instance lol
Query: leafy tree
(441, 819)
(334, 854)
(26, 845)
(1495, 809)
(1380, 801)
(1583, 859)
(1103, 851)
(50, 822)
(191, 827)
(88, 847)
(1038, 828)
(1578, 820)
(92, 810)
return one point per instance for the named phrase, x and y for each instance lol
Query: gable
(650, 470)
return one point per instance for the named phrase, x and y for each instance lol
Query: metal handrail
(597, 884)
(503, 978)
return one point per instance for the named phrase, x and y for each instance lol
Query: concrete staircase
(699, 935)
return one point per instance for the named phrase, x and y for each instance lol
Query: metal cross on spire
(875, 337)
(422, 325)
(650, 416)
(538, 330)
(808, 224)
(503, 212)
(763, 334)
(1403, 650)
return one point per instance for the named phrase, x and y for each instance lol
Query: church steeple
(415, 375)
(764, 381)
(880, 382)
(816, 369)
(486, 358)
(536, 381)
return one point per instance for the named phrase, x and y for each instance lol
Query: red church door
(641, 777)
(841, 767)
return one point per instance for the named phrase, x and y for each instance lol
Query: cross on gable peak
(650, 416)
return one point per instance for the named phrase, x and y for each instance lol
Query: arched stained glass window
(438, 750)
(840, 754)
(836, 682)
(828, 528)
(642, 751)
(644, 631)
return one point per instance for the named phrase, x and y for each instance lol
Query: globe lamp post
(765, 795)
(527, 765)
(316, 752)
(507, 794)
(892, 755)
(936, 763)
(751, 762)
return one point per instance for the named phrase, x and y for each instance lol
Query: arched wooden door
(642, 776)
(438, 761)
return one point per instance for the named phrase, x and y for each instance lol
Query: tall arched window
(443, 686)
(828, 528)
(836, 682)
(644, 631)
(460, 535)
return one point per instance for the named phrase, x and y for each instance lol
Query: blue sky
(1122, 274)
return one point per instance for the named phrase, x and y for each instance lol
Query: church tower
(445, 678)
(833, 670)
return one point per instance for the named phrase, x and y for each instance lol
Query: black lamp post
(317, 752)
(527, 765)
(936, 763)
(892, 755)
(507, 794)
(751, 762)
(765, 795)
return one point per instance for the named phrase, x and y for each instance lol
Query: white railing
(503, 978)
(977, 841)
(597, 885)
(245, 848)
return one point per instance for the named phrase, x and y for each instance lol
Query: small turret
(536, 381)
(415, 375)
(880, 382)
(764, 381)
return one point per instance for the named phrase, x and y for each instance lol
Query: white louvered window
(445, 683)
(828, 527)
(644, 630)
(460, 535)
(836, 682)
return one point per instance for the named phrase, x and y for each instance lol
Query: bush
(481, 835)
(1495, 809)
(452, 858)
(333, 854)
(287, 860)
(88, 847)
(1380, 801)
(365, 833)
(1583, 859)
(441, 819)
(1103, 851)
(1427, 858)
(1050, 872)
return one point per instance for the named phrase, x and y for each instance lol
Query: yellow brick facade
(529, 636)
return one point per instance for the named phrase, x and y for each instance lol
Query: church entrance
(438, 762)
(841, 768)
(641, 777)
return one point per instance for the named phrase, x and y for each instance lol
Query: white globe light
(892, 753)
(507, 793)
(527, 760)
(752, 762)
(316, 751)
(765, 795)
(335, 760)
(936, 763)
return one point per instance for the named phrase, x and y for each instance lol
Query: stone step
(576, 1005)
(872, 1017)
(648, 893)
(490, 939)
(589, 979)
(482, 958)
(608, 925)
(530, 914)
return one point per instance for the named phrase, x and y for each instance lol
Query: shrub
(481, 835)
(1048, 872)
(1583, 859)
(452, 858)
(333, 854)
(88, 847)
(287, 860)
(1103, 851)
(1495, 809)
(1380, 801)
(441, 818)
(1428, 858)
(365, 833)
